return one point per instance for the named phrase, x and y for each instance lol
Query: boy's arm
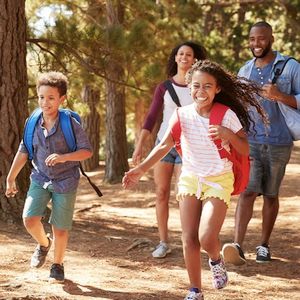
(78, 155)
(17, 165)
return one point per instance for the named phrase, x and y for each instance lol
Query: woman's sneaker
(220, 277)
(194, 296)
(263, 254)
(161, 250)
(57, 273)
(233, 254)
(39, 255)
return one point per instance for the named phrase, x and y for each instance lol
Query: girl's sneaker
(194, 296)
(220, 277)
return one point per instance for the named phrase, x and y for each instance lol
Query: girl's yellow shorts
(220, 186)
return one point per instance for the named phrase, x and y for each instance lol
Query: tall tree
(116, 145)
(91, 124)
(13, 99)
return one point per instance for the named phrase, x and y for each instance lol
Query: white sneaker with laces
(194, 296)
(161, 250)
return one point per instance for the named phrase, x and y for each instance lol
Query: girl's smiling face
(203, 89)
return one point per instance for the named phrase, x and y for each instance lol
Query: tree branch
(91, 68)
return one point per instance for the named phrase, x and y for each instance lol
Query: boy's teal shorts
(62, 205)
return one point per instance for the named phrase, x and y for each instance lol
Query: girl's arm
(237, 140)
(158, 152)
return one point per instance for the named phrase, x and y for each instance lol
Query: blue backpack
(65, 121)
(65, 124)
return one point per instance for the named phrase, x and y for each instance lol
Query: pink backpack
(241, 163)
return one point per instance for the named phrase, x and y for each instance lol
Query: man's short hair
(263, 24)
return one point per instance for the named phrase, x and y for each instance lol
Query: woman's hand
(132, 177)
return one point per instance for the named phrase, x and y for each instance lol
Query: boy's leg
(34, 209)
(61, 220)
(60, 240)
(36, 229)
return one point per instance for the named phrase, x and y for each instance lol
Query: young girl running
(206, 181)
(180, 61)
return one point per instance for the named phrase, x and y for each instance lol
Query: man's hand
(271, 92)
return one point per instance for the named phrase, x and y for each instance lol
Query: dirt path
(109, 255)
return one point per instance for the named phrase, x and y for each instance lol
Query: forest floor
(109, 252)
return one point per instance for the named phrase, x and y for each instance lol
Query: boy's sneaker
(194, 296)
(57, 273)
(38, 257)
(220, 277)
(161, 250)
(233, 254)
(263, 254)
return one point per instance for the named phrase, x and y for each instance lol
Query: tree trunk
(13, 99)
(116, 142)
(91, 124)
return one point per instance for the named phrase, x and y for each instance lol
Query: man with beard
(271, 146)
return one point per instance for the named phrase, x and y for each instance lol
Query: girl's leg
(162, 176)
(190, 211)
(60, 239)
(213, 215)
(212, 219)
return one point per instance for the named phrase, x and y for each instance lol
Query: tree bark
(116, 162)
(91, 124)
(13, 99)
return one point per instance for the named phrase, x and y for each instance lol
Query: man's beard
(264, 53)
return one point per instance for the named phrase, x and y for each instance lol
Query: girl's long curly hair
(199, 53)
(237, 93)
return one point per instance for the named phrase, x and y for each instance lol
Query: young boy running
(54, 176)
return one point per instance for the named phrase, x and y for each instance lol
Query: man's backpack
(240, 163)
(290, 114)
(65, 116)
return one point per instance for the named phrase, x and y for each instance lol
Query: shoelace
(262, 251)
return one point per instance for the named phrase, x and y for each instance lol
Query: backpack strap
(278, 71)
(65, 121)
(217, 114)
(176, 134)
(29, 131)
(169, 86)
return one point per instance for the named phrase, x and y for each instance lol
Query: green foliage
(81, 42)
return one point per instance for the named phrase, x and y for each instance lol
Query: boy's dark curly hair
(237, 93)
(53, 79)
(199, 53)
